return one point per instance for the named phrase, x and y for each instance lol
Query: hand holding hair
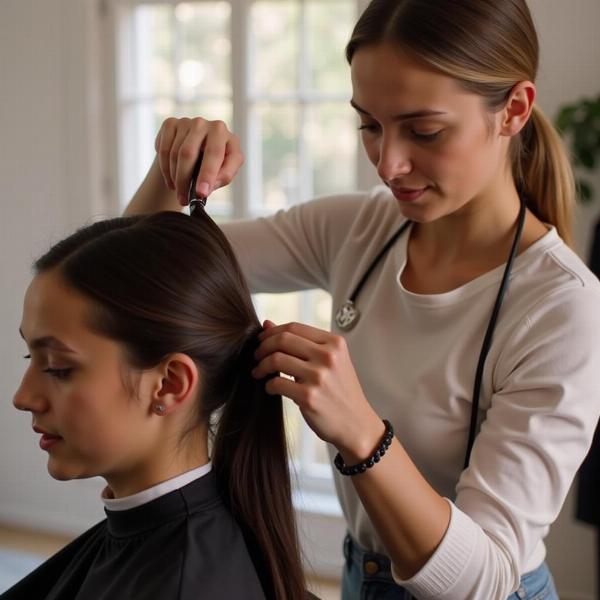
(178, 144)
(325, 386)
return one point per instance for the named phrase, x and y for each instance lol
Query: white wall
(45, 191)
(569, 69)
(49, 181)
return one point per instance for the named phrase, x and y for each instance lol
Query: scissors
(193, 199)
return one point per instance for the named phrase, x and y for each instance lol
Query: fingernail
(203, 189)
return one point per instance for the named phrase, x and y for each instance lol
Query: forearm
(153, 195)
(410, 517)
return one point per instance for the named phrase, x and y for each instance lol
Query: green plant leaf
(564, 120)
(587, 157)
(579, 124)
(584, 191)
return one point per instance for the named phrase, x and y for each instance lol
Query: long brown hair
(169, 283)
(488, 46)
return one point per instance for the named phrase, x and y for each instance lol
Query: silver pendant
(347, 317)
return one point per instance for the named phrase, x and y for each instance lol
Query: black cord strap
(377, 259)
(487, 340)
(388, 436)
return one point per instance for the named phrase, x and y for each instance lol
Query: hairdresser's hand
(178, 144)
(325, 386)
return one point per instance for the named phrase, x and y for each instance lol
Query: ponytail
(251, 463)
(249, 453)
(543, 173)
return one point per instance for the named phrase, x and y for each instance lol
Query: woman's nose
(29, 397)
(394, 160)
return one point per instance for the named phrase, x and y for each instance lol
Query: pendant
(347, 317)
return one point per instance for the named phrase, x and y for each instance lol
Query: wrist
(363, 445)
(165, 197)
(153, 195)
(372, 459)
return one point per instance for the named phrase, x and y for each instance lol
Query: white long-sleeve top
(416, 357)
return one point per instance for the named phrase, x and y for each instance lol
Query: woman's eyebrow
(416, 114)
(47, 341)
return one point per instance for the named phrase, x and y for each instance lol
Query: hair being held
(169, 283)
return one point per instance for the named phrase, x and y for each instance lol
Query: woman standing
(461, 315)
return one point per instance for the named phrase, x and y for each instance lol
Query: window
(275, 72)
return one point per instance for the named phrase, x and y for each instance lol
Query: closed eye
(369, 128)
(58, 373)
(427, 137)
(423, 137)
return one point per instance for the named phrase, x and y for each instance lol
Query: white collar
(155, 491)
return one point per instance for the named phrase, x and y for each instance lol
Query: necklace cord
(375, 262)
(487, 340)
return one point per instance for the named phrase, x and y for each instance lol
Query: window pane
(203, 48)
(170, 53)
(274, 46)
(321, 455)
(209, 109)
(328, 28)
(150, 47)
(330, 134)
(273, 156)
(279, 308)
(316, 308)
(139, 123)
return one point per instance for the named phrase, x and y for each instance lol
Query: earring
(159, 408)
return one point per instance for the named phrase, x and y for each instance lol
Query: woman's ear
(175, 383)
(518, 108)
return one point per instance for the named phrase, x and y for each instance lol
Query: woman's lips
(47, 441)
(408, 195)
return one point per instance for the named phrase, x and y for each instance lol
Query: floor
(33, 544)
(326, 590)
(29, 541)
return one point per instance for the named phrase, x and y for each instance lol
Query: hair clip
(193, 199)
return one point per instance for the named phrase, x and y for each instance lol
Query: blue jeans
(368, 576)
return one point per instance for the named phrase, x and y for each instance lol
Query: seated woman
(141, 331)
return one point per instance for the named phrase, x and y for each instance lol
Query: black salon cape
(182, 546)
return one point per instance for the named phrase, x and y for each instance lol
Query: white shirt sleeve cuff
(446, 565)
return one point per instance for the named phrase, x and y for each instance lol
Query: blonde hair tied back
(488, 46)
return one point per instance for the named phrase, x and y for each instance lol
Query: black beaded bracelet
(370, 462)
